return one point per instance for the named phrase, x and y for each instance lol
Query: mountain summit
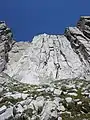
(48, 57)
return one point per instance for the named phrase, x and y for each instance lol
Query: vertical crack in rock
(41, 51)
(56, 63)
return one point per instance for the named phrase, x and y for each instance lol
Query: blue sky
(28, 18)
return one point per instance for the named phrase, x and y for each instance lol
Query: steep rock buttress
(6, 43)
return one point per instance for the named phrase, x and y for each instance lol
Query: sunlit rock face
(52, 57)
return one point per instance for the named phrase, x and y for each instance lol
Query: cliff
(52, 57)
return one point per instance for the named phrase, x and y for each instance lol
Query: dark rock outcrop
(84, 25)
(5, 44)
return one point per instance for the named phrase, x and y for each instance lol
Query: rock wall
(53, 57)
(5, 44)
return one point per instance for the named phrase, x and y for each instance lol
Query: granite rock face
(52, 57)
(5, 44)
